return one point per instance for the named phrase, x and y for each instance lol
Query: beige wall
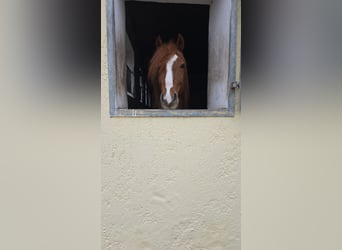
(168, 183)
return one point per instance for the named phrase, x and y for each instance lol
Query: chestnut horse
(168, 75)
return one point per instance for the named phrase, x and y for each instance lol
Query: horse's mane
(159, 60)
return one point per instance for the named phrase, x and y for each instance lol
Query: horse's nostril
(174, 97)
(162, 98)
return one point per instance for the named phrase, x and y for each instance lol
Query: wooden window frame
(218, 106)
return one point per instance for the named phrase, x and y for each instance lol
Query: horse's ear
(158, 41)
(180, 42)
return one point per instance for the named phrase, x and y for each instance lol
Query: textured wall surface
(168, 183)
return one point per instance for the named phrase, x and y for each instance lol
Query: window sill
(172, 113)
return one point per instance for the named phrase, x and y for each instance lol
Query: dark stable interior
(145, 21)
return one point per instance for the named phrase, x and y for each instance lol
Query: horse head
(168, 75)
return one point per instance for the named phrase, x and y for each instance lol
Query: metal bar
(233, 80)
(111, 56)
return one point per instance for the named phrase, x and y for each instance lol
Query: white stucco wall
(168, 183)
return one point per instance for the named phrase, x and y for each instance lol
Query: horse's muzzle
(172, 105)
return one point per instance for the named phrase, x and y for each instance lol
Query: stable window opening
(209, 32)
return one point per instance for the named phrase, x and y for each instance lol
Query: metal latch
(235, 85)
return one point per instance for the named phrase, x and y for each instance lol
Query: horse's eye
(182, 65)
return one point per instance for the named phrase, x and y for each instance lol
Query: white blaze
(169, 78)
